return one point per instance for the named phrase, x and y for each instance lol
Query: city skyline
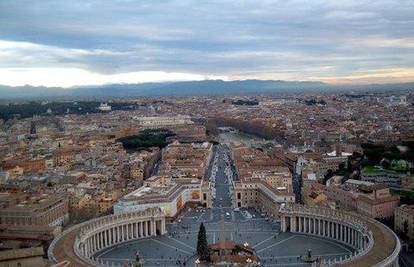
(74, 43)
(202, 133)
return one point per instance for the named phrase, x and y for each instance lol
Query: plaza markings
(226, 231)
(296, 256)
(211, 216)
(182, 243)
(275, 244)
(132, 259)
(332, 242)
(184, 251)
(288, 264)
(118, 246)
(261, 242)
(201, 216)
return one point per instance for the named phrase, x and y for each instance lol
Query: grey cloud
(211, 37)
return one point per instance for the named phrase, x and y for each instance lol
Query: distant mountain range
(196, 88)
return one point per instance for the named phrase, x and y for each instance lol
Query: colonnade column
(319, 226)
(355, 238)
(328, 229)
(328, 224)
(339, 232)
(335, 234)
(154, 227)
(134, 230)
(346, 234)
(87, 246)
(306, 223)
(90, 245)
(118, 234)
(352, 237)
(139, 230)
(303, 224)
(97, 240)
(99, 236)
(93, 244)
(323, 227)
(313, 225)
(332, 232)
(163, 226)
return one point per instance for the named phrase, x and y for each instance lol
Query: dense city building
(404, 220)
(229, 163)
(262, 184)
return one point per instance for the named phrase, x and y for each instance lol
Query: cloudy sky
(79, 42)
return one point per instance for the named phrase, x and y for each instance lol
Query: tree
(202, 246)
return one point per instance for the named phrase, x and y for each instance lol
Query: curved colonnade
(374, 243)
(79, 244)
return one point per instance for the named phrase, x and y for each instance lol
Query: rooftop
(31, 204)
